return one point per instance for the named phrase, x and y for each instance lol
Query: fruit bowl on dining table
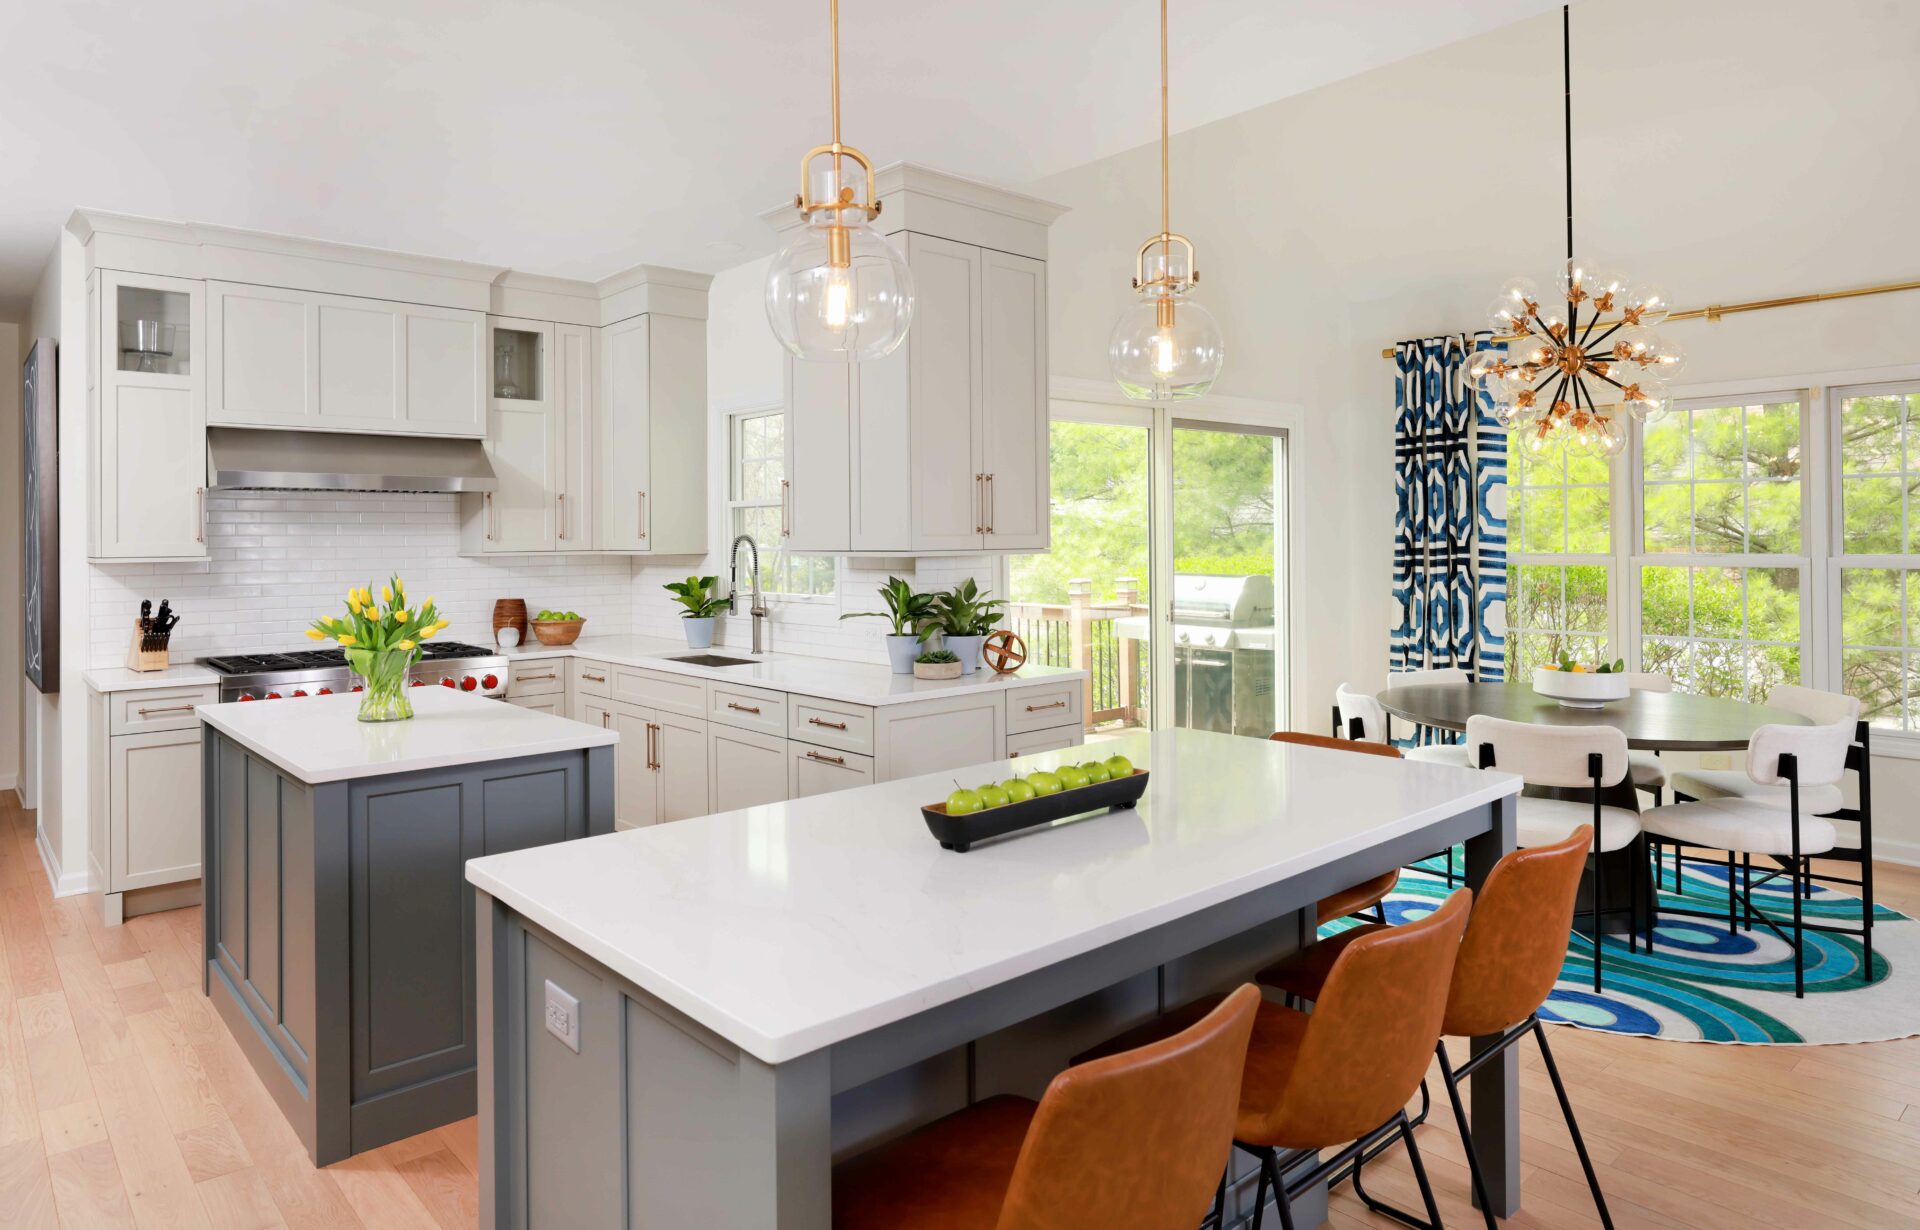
(1582, 685)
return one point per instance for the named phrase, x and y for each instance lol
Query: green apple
(1045, 782)
(1096, 771)
(964, 802)
(1119, 766)
(1018, 789)
(1071, 776)
(991, 796)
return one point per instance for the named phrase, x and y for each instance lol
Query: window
(755, 505)
(1878, 563)
(1723, 575)
(1559, 538)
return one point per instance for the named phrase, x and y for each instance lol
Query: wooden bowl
(557, 631)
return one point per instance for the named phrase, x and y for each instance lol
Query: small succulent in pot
(936, 664)
(699, 596)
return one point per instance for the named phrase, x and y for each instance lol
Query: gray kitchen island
(687, 1025)
(339, 927)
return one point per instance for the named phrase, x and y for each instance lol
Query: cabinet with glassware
(940, 446)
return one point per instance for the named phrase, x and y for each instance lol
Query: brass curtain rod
(1717, 310)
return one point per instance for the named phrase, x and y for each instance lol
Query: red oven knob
(246, 696)
(299, 691)
(469, 684)
(491, 681)
(447, 682)
(273, 696)
(359, 687)
(419, 683)
(324, 692)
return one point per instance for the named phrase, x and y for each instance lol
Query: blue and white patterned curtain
(1450, 530)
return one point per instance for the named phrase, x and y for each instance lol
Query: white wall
(1754, 148)
(11, 581)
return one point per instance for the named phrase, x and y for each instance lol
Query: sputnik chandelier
(1568, 376)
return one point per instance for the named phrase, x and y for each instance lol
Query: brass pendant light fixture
(1565, 381)
(838, 292)
(1166, 346)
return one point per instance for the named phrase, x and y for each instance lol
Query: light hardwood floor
(124, 1101)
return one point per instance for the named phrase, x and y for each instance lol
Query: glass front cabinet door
(149, 404)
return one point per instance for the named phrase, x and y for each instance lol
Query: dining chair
(1648, 771)
(1370, 894)
(1820, 708)
(1362, 718)
(1340, 1078)
(1509, 960)
(1802, 761)
(1136, 1140)
(1590, 758)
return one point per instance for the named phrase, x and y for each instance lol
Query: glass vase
(386, 677)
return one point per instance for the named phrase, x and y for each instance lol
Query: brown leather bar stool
(1369, 894)
(1133, 1141)
(1507, 966)
(1340, 1078)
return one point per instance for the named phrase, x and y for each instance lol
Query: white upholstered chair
(1649, 773)
(1590, 758)
(1787, 767)
(1361, 717)
(1820, 708)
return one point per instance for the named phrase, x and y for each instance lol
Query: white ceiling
(580, 137)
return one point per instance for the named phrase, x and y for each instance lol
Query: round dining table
(1652, 721)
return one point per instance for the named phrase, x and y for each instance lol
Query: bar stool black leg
(1573, 1126)
(1466, 1137)
(1219, 1218)
(1420, 1173)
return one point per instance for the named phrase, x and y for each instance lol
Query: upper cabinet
(149, 417)
(539, 416)
(941, 447)
(325, 362)
(652, 435)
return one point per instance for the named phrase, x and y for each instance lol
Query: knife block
(139, 659)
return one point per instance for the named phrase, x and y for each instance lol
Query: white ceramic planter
(1580, 690)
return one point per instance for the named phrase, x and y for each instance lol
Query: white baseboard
(10, 781)
(63, 884)
(1906, 853)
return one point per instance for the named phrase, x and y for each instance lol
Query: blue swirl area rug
(1700, 984)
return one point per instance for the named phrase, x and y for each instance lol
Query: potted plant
(963, 615)
(382, 644)
(907, 611)
(702, 603)
(937, 664)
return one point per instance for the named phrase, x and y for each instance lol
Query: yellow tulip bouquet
(382, 639)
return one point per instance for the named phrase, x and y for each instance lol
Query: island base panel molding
(745, 1143)
(338, 927)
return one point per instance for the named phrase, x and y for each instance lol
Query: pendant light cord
(1566, 93)
(833, 20)
(1164, 214)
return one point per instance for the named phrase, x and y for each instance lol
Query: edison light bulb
(1165, 347)
(837, 306)
(839, 292)
(1163, 354)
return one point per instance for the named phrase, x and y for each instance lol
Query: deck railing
(1082, 633)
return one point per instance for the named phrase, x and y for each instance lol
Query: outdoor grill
(1223, 642)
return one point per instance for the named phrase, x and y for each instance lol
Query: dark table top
(1672, 721)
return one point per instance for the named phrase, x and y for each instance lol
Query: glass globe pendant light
(838, 292)
(1165, 346)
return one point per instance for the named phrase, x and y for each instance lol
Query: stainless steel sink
(711, 659)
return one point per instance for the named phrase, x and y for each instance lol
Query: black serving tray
(958, 833)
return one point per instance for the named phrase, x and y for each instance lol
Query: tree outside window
(754, 502)
(1559, 539)
(1879, 563)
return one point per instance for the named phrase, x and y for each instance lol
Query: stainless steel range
(322, 672)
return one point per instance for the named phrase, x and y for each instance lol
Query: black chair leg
(1573, 1126)
(1799, 936)
(1599, 917)
(1260, 1198)
(1219, 1218)
(1733, 893)
(1271, 1162)
(1466, 1136)
(1419, 1172)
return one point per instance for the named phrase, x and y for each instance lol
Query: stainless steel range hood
(261, 459)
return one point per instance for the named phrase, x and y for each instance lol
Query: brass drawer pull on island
(145, 712)
(753, 709)
(829, 725)
(1057, 704)
(823, 757)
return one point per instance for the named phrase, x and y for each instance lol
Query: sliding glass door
(1167, 576)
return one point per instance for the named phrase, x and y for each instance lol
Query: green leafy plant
(1568, 662)
(905, 609)
(964, 610)
(697, 595)
(937, 655)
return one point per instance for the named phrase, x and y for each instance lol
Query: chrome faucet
(758, 609)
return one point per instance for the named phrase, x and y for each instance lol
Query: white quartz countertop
(792, 926)
(320, 740)
(856, 683)
(120, 679)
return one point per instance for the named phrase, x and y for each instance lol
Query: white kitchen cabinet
(933, 736)
(1013, 404)
(651, 434)
(539, 425)
(745, 768)
(660, 766)
(144, 825)
(149, 418)
(822, 770)
(556, 704)
(636, 792)
(1052, 739)
(278, 357)
(943, 402)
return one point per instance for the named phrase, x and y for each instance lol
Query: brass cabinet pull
(980, 503)
(753, 709)
(823, 757)
(1058, 704)
(531, 678)
(595, 678)
(786, 509)
(640, 514)
(827, 724)
(489, 516)
(143, 711)
(993, 504)
(561, 499)
(606, 718)
(653, 755)
(200, 513)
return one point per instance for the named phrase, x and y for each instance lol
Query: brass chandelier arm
(1715, 311)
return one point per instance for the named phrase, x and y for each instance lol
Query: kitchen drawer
(548, 703)
(158, 708)
(830, 723)
(1043, 706)
(659, 690)
(820, 770)
(1052, 739)
(748, 708)
(536, 677)
(592, 678)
